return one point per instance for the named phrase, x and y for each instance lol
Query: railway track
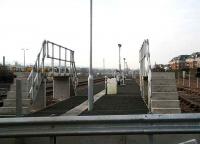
(49, 88)
(189, 100)
(83, 83)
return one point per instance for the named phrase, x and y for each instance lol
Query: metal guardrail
(145, 70)
(100, 125)
(49, 50)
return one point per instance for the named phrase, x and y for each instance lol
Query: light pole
(24, 57)
(119, 45)
(104, 66)
(124, 64)
(90, 77)
(123, 75)
(126, 68)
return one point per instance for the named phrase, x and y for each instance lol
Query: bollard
(197, 82)
(106, 85)
(19, 106)
(18, 98)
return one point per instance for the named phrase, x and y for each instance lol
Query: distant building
(185, 62)
(160, 67)
(193, 61)
(179, 62)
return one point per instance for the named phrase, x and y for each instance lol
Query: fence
(100, 125)
(187, 79)
(145, 72)
(54, 52)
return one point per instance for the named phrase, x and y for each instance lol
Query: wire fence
(188, 79)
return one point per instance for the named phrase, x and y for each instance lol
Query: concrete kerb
(82, 107)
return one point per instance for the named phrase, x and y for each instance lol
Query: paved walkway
(64, 106)
(126, 101)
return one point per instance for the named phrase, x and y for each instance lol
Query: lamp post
(119, 45)
(24, 57)
(124, 64)
(90, 77)
(123, 75)
(104, 66)
(126, 68)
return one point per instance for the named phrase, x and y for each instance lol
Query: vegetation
(6, 75)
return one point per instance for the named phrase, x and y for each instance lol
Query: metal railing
(148, 124)
(39, 72)
(145, 71)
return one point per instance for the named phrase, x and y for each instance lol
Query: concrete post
(18, 98)
(106, 85)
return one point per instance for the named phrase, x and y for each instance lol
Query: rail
(39, 72)
(100, 125)
(83, 83)
(145, 71)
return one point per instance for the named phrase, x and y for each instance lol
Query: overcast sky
(172, 27)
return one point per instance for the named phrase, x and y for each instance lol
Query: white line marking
(82, 107)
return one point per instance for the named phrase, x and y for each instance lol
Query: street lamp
(24, 57)
(119, 45)
(126, 68)
(124, 64)
(123, 74)
(90, 77)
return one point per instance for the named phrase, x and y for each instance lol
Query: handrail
(38, 73)
(145, 71)
(100, 125)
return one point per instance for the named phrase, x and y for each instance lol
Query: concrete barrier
(61, 87)
(111, 86)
